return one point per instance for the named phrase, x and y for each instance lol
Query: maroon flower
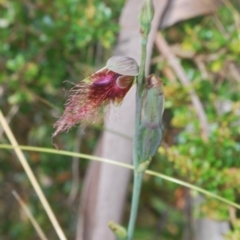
(109, 84)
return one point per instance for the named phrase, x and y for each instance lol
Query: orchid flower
(108, 85)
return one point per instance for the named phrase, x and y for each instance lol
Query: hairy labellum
(110, 84)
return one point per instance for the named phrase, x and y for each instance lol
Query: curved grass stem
(120, 164)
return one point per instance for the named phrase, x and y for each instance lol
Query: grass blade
(120, 164)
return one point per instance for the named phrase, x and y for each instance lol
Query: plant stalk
(137, 183)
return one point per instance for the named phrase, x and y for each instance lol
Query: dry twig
(30, 216)
(166, 51)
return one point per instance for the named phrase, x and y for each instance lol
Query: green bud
(143, 166)
(119, 231)
(146, 16)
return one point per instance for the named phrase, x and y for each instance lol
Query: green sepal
(154, 106)
(149, 141)
(150, 129)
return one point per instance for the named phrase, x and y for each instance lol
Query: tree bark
(206, 228)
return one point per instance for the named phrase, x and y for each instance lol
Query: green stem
(136, 161)
(135, 201)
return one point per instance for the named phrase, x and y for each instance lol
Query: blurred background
(47, 45)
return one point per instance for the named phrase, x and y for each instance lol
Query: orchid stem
(145, 19)
(136, 161)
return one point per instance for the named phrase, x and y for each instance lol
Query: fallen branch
(166, 51)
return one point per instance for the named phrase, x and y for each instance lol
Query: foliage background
(45, 45)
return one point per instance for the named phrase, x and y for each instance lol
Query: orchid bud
(146, 16)
(118, 230)
(143, 166)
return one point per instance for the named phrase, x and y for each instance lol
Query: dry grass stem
(31, 177)
(38, 229)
